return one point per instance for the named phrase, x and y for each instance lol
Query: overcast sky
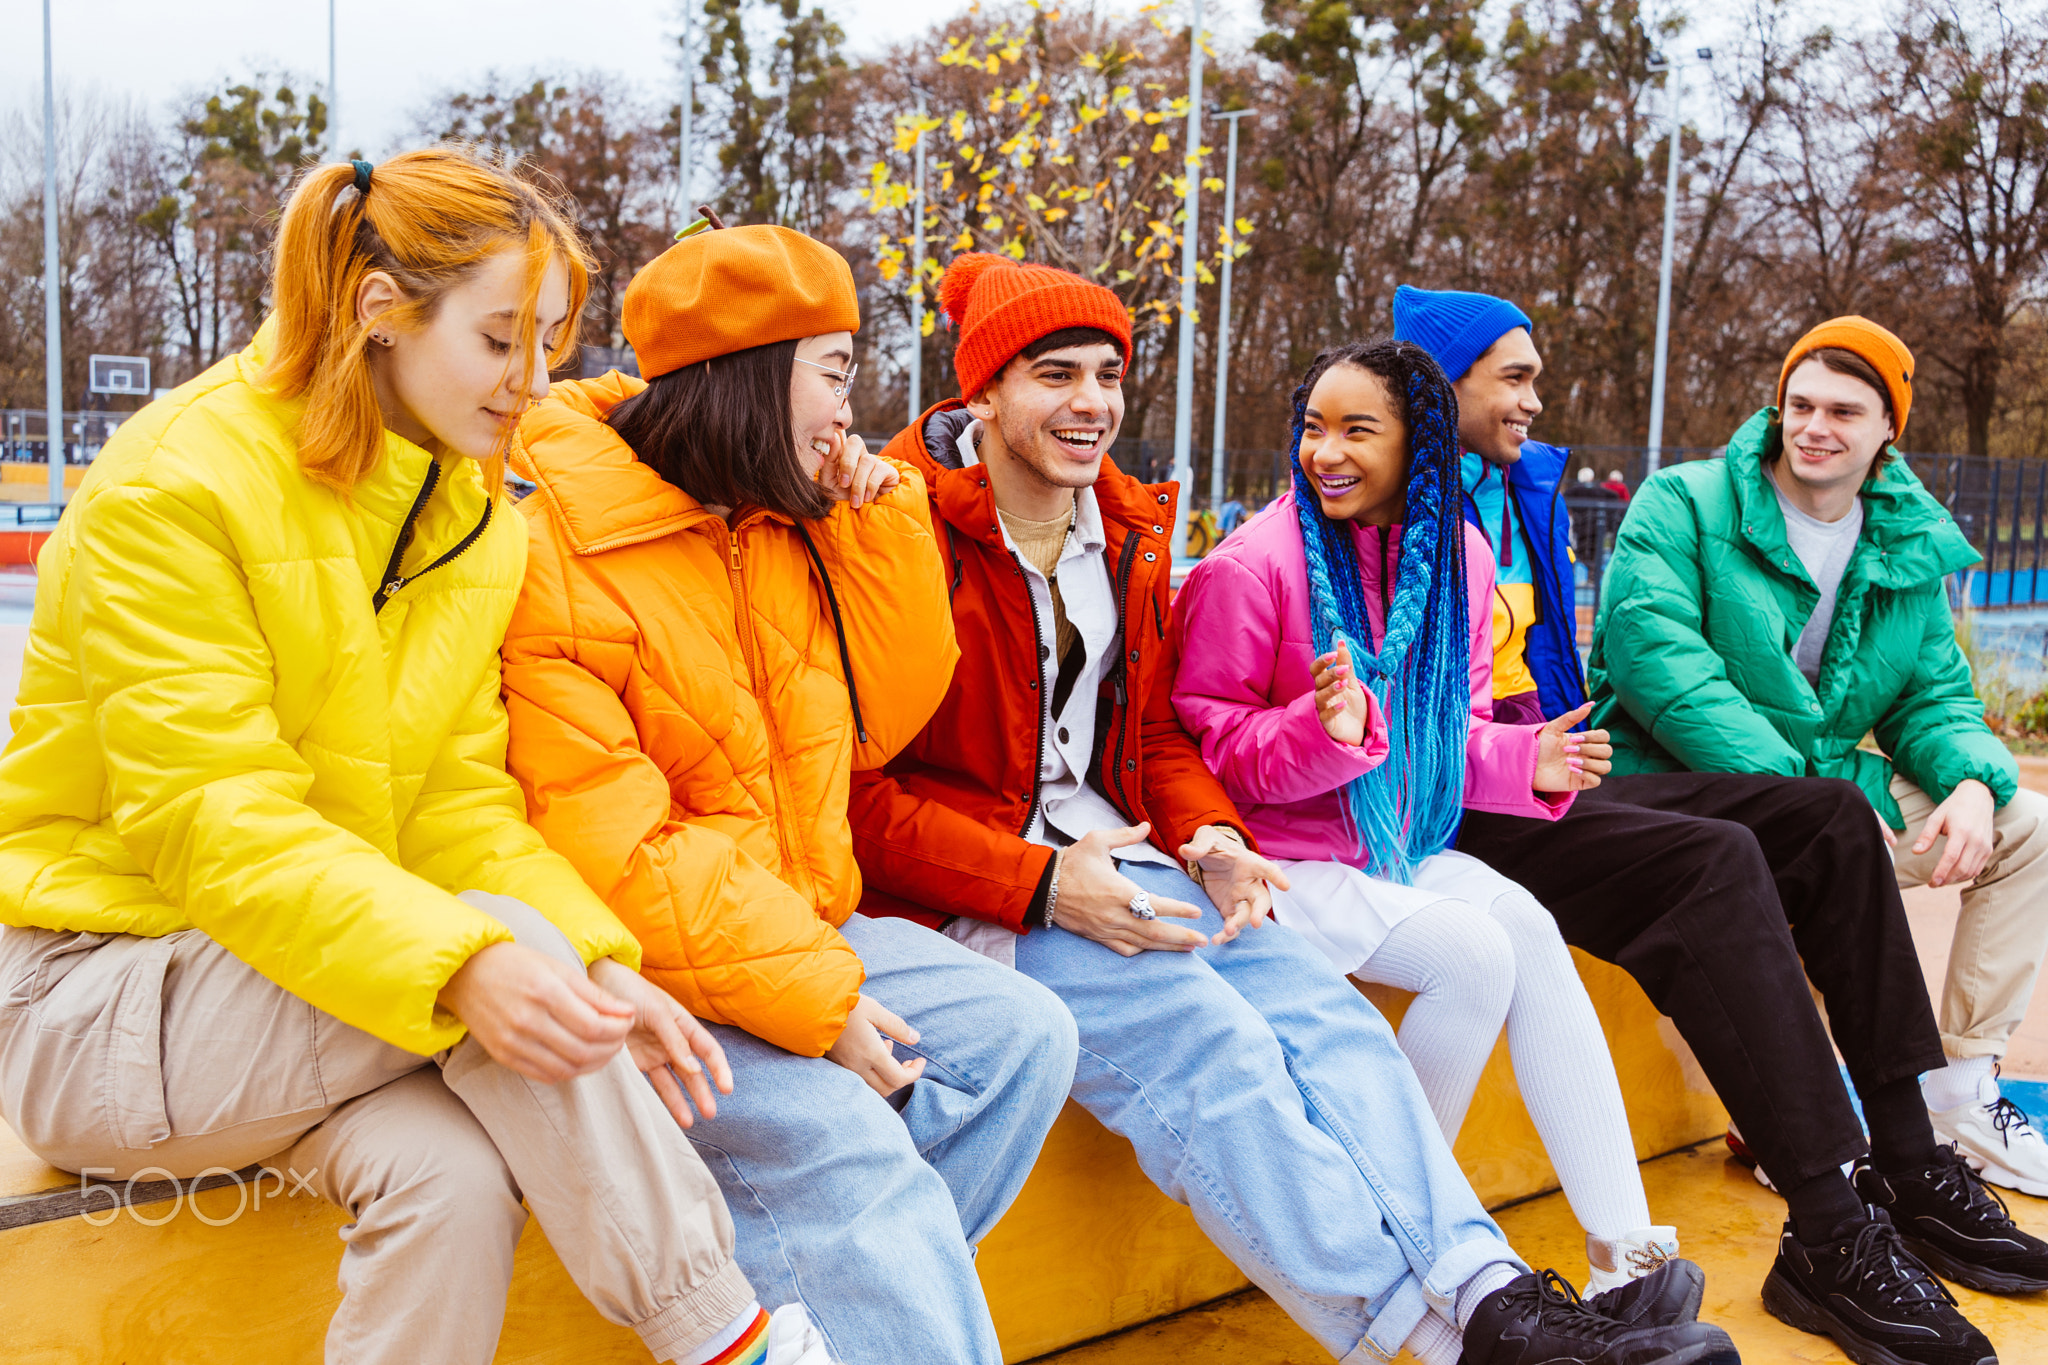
(393, 54)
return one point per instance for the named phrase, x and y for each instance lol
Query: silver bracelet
(1052, 892)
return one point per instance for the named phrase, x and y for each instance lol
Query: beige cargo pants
(123, 1053)
(2001, 935)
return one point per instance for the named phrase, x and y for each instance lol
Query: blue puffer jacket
(1553, 641)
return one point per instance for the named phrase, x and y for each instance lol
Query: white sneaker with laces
(1631, 1256)
(1996, 1138)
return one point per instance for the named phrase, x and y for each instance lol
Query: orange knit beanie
(732, 289)
(1885, 353)
(1001, 306)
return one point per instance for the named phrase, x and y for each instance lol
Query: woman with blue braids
(1336, 667)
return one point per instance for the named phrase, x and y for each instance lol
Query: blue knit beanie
(1453, 326)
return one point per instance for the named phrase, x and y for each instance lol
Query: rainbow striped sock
(749, 1347)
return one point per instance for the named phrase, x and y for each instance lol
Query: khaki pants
(122, 1054)
(2002, 933)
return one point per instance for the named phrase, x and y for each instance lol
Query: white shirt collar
(1087, 513)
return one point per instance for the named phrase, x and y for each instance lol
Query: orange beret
(731, 289)
(1001, 306)
(1885, 353)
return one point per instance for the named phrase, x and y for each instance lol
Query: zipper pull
(733, 540)
(391, 588)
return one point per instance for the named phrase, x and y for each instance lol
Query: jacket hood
(1916, 538)
(964, 499)
(600, 492)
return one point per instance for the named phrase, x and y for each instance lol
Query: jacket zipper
(745, 627)
(393, 580)
(1128, 560)
(1044, 701)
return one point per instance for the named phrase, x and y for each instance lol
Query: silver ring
(1141, 906)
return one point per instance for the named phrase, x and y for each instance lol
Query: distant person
(1615, 485)
(1592, 525)
(271, 894)
(1829, 620)
(1721, 894)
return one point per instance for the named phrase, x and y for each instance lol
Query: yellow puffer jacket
(216, 729)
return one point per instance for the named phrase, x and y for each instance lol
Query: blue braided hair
(1408, 807)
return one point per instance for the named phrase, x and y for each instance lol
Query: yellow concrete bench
(1090, 1247)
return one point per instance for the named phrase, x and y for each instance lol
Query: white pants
(1479, 952)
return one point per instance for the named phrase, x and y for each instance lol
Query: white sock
(1491, 1278)
(722, 1340)
(1470, 969)
(1965, 1080)
(1435, 1342)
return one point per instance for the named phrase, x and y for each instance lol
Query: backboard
(128, 374)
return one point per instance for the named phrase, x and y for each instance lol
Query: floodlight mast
(1184, 386)
(685, 153)
(333, 98)
(917, 274)
(1673, 80)
(1222, 398)
(53, 344)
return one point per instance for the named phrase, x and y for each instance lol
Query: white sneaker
(1996, 1138)
(1628, 1257)
(793, 1340)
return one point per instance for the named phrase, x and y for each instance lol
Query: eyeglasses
(845, 377)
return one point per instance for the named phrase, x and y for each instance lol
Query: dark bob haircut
(722, 431)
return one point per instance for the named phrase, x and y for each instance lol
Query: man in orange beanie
(1829, 620)
(1054, 815)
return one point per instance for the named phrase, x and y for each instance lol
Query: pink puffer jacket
(1243, 690)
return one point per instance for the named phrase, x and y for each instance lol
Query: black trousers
(1710, 889)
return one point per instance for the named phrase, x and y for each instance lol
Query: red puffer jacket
(938, 832)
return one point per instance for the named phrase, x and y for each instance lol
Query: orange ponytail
(429, 219)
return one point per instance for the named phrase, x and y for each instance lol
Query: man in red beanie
(1054, 815)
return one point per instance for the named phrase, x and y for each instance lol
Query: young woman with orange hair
(269, 891)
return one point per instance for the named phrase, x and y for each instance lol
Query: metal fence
(25, 434)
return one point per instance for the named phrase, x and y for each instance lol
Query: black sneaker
(1958, 1225)
(1868, 1292)
(1539, 1320)
(1669, 1294)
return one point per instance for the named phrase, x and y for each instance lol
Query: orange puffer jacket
(681, 718)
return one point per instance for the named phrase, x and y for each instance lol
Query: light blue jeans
(866, 1209)
(1266, 1094)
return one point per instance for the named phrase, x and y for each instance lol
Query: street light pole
(685, 160)
(1184, 388)
(333, 98)
(53, 312)
(1674, 77)
(917, 277)
(1222, 398)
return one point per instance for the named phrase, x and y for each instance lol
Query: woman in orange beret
(731, 604)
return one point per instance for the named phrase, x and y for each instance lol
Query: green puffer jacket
(1704, 599)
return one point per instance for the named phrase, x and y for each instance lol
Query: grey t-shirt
(1824, 548)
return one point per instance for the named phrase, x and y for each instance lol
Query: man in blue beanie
(1710, 889)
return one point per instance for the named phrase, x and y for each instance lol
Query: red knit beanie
(1001, 306)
